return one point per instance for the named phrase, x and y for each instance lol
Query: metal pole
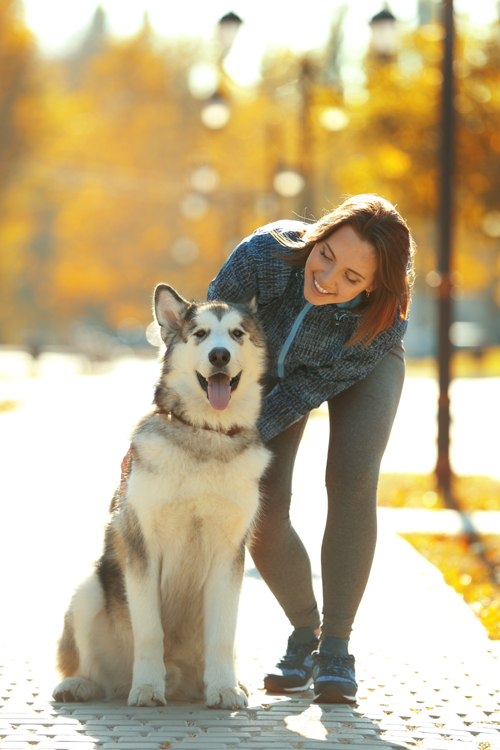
(306, 138)
(443, 469)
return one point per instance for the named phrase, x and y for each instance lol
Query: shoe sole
(333, 695)
(274, 687)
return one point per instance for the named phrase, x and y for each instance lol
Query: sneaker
(334, 678)
(293, 672)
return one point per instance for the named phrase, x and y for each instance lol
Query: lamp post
(227, 30)
(383, 26)
(443, 469)
(306, 80)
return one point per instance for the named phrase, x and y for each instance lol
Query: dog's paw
(244, 688)
(230, 697)
(147, 695)
(75, 689)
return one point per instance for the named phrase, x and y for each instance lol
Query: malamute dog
(157, 617)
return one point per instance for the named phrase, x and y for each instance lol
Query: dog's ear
(248, 299)
(252, 304)
(168, 308)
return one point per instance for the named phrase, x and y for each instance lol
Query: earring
(367, 294)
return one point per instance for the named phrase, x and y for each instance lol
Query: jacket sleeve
(237, 276)
(306, 389)
(253, 268)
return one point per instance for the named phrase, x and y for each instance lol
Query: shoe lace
(339, 666)
(295, 652)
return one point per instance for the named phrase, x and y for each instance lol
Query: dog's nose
(219, 357)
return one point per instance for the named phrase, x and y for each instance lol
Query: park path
(428, 675)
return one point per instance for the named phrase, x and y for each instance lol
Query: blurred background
(140, 142)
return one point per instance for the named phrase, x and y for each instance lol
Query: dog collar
(233, 431)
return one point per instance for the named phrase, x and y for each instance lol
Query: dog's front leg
(148, 683)
(222, 593)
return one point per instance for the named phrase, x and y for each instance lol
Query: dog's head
(215, 358)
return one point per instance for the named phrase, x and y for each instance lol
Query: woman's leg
(361, 420)
(277, 551)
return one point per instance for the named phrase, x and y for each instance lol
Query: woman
(333, 298)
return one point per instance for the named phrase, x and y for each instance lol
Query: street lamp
(216, 112)
(383, 26)
(227, 30)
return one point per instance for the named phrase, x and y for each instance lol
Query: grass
(461, 566)
(465, 572)
(420, 491)
(464, 364)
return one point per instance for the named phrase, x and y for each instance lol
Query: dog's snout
(219, 357)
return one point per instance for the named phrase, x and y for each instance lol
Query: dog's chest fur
(192, 491)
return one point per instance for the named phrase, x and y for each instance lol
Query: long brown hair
(378, 222)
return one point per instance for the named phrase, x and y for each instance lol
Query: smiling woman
(333, 299)
(337, 266)
(367, 234)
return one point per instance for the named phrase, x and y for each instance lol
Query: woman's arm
(252, 268)
(237, 276)
(304, 390)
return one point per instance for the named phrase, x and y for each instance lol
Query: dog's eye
(200, 334)
(237, 333)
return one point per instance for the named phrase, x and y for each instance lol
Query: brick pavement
(427, 673)
(428, 678)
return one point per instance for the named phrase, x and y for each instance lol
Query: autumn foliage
(110, 182)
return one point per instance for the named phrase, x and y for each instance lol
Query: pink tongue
(219, 391)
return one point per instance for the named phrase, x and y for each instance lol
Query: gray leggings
(361, 420)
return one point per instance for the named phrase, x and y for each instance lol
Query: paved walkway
(428, 678)
(428, 675)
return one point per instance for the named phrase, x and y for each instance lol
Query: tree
(392, 146)
(20, 114)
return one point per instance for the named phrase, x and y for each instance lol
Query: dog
(157, 616)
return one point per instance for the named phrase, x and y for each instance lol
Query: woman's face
(339, 268)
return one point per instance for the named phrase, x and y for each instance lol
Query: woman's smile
(318, 288)
(339, 268)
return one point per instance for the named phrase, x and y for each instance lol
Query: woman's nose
(329, 278)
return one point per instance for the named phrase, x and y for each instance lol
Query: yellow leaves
(478, 182)
(452, 555)
(432, 77)
(431, 32)
(495, 142)
(479, 92)
(394, 163)
(416, 490)
(406, 491)
(354, 174)
(83, 280)
(466, 572)
(116, 154)
(472, 267)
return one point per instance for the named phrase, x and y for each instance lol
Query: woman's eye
(238, 334)
(353, 281)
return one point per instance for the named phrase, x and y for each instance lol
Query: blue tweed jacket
(305, 342)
